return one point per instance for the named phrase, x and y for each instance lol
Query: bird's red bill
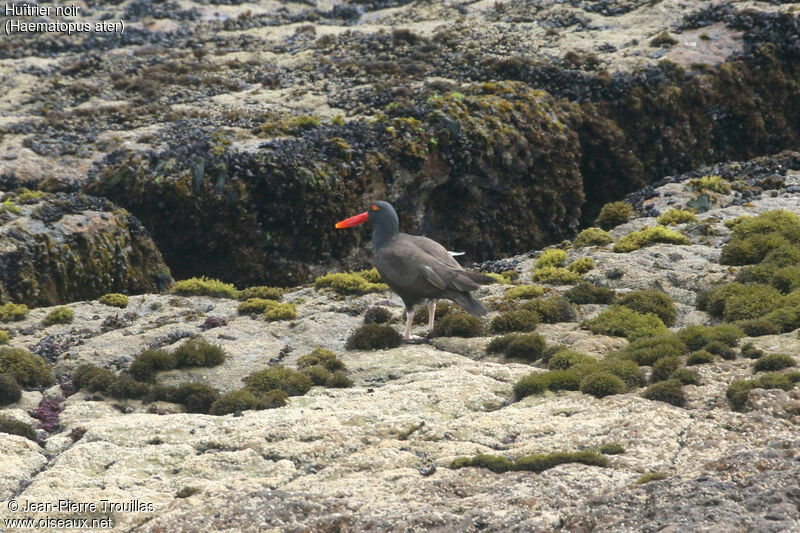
(353, 221)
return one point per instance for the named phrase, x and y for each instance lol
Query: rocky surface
(57, 248)
(376, 456)
(236, 131)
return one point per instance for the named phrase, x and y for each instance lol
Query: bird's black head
(384, 222)
(383, 215)
(380, 213)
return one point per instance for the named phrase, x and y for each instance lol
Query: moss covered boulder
(59, 248)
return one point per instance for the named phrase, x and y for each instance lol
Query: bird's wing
(405, 265)
(435, 249)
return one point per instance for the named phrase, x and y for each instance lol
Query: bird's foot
(415, 339)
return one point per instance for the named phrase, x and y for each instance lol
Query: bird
(417, 268)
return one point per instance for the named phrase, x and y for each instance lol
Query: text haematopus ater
(417, 268)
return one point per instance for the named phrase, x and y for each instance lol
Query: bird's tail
(479, 278)
(466, 300)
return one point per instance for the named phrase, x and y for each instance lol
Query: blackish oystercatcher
(417, 268)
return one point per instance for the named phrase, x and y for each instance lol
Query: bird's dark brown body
(417, 268)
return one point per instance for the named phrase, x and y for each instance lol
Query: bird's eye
(375, 207)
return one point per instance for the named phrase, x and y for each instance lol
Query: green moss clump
(696, 337)
(59, 315)
(612, 448)
(775, 361)
(751, 249)
(458, 324)
(530, 463)
(751, 352)
(373, 337)
(114, 300)
(524, 291)
(551, 310)
(13, 312)
(196, 351)
(525, 346)
(318, 374)
(93, 378)
(651, 301)
(323, 357)
(551, 258)
(735, 301)
(371, 275)
(338, 380)
(754, 238)
(555, 275)
(535, 383)
(27, 196)
(542, 462)
(186, 492)
(664, 367)
(786, 279)
(495, 463)
(721, 349)
(601, 384)
(564, 379)
(271, 309)
(647, 236)
(567, 359)
(673, 217)
(592, 237)
(204, 286)
(738, 391)
(647, 351)
(587, 293)
(757, 327)
(15, 427)
(349, 283)
(10, 391)
(710, 183)
(627, 371)
(699, 357)
(785, 319)
(290, 381)
(528, 346)
(195, 397)
(28, 370)
(150, 361)
(624, 322)
(652, 476)
(778, 380)
(279, 311)
(581, 265)
(254, 306)
(8, 207)
(613, 214)
(4, 337)
(261, 292)
(518, 320)
(124, 387)
(244, 400)
(379, 315)
(685, 376)
(669, 391)
(505, 278)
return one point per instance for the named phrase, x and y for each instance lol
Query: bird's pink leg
(409, 320)
(431, 313)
